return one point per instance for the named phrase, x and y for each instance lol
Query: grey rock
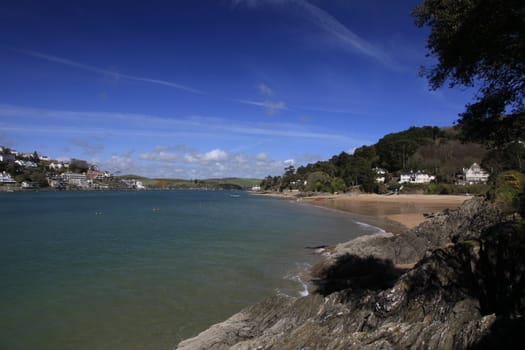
(449, 227)
(467, 291)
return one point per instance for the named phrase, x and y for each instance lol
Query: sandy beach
(393, 213)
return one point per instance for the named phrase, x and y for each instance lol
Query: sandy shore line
(392, 213)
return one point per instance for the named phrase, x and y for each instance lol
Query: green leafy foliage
(481, 43)
(508, 191)
(395, 150)
(446, 157)
(477, 41)
(436, 150)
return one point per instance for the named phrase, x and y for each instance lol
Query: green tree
(289, 178)
(480, 43)
(394, 150)
(337, 185)
(271, 183)
(34, 157)
(319, 181)
(362, 174)
(341, 163)
(369, 153)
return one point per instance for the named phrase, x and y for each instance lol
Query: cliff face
(466, 291)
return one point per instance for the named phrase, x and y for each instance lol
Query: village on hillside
(34, 171)
(28, 171)
(472, 175)
(425, 159)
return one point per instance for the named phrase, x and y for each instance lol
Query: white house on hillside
(475, 175)
(56, 166)
(380, 175)
(5, 178)
(73, 179)
(418, 177)
(26, 163)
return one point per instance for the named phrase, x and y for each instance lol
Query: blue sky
(211, 88)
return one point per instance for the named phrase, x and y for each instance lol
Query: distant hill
(222, 183)
(434, 150)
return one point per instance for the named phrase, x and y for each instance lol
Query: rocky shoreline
(457, 281)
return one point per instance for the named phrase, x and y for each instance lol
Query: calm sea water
(143, 270)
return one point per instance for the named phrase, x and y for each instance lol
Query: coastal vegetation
(464, 286)
(438, 151)
(480, 44)
(222, 183)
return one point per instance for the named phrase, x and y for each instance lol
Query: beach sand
(392, 213)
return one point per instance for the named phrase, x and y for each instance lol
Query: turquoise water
(143, 270)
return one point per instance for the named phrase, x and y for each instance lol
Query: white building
(132, 183)
(418, 177)
(56, 166)
(30, 185)
(73, 179)
(475, 175)
(380, 175)
(26, 163)
(5, 178)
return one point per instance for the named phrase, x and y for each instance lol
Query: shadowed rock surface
(470, 294)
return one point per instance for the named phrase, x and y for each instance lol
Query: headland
(433, 286)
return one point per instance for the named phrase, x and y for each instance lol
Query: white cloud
(183, 154)
(213, 163)
(330, 25)
(190, 158)
(207, 145)
(216, 154)
(261, 156)
(159, 156)
(273, 107)
(111, 73)
(89, 147)
(22, 120)
(240, 158)
(269, 106)
(265, 89)
(118, 163)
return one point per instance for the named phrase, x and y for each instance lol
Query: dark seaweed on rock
(358, 274)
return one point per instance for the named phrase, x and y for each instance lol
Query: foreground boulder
(470, 294)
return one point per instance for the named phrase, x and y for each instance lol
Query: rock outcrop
(448, 227)
(466, 291)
